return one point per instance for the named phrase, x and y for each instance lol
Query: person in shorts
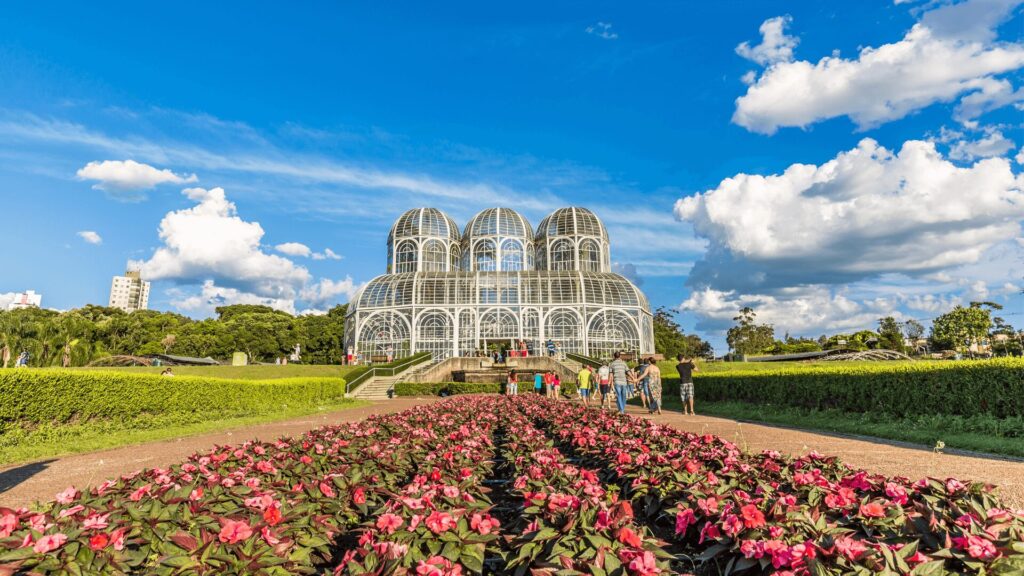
(604, 383)
(583, 380)
(538, 383)
(513, 383)
(686, 367)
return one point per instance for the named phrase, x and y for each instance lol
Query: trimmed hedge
(960, 388)
(454, 388)
(49, 396)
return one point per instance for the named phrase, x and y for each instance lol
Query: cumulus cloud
(327, 293)
(775, 46)
(992, 144)
(803, 311)
(211, 296)
(628, 270)
(867, 212)
(294, 249)
(129, 176)
(209, 241)
(950, 54)
(327, 254)
(90, 237)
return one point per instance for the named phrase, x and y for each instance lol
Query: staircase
(380, 381)
(378, 387)
(571, 365)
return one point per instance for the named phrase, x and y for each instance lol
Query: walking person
(583, 384)
(686, 368)
(513, 383)
(604, 380)
(556, 386)
(548, 381)
(652, 376)
(538, 382)
(619, 369)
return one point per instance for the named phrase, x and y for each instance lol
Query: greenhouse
(498, 283)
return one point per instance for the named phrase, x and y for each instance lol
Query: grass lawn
(981, 434)
(53, 441)
(254, 372)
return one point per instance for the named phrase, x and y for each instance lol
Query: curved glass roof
(425, 222)
(572, 221)
(498, 222)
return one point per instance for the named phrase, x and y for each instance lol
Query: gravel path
(22, 484)
(889, 458)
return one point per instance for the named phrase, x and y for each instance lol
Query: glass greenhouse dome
(499, 283)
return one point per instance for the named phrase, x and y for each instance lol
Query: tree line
(87, 334)
(975, 329)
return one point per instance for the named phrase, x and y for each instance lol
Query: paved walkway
(889, 458)
(22, 484)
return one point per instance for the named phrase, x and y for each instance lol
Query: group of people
(618, 379)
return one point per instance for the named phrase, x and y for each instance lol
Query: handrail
(585, 360)
(391, 369)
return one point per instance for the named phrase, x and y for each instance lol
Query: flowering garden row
(517, 485)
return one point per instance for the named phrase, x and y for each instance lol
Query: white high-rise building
(129, 292)
(26, 299)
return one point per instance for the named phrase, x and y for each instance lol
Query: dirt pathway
(891, 459)
(22, 484)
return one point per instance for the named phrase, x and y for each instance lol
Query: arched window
(562, 326)
(406, 257)
(435, 256)
(612, 331)
(511, 256)
(435, 333)
(456, 256)
(384, 334)
(562, 255)
(485, 256)
(590, 256)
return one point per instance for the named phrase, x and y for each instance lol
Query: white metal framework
(498, 282)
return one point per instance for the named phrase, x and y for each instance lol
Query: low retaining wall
(443, 371)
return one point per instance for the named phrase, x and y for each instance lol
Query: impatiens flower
(99, 541)
(851, 549)
(483, 523)
(196, 494)
(389, 523)
(71, 511)
(684, 518)
(8, 522)
(272, 516)
(953, 485)
(439, 522)
(628, 537)
(644, 565)
(872, 510)
(233, 531)
(326, 489)
(896, 493)
(49, 543)
(117, 539)
(95, 521)
(359, 496)
(139, 493)
(977, 547)
(709, 532)
(752, 517)
(269, 537)
(67, 495)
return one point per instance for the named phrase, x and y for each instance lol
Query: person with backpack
(604, 384)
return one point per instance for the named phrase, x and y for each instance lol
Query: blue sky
(883, 179)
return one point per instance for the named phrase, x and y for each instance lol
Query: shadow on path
(14, 476)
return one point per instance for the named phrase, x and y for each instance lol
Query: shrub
(963, 388)
(446, 388)
(34, 397)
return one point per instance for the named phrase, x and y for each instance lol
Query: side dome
(573, 238)
(497, 239)
(423, 240)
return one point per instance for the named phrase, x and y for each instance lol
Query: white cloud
(90, 236)
(950, 54)
(129, 176)
(6, 298)
(602, 30)
(211, 296)
(327, 293)
(628, 271)
(992, 144)
(932, 303)
(775, 45)
(806, 311)
(210, 242)
(327, 254)
(294, 249)
(866, 212)
(1019, 158)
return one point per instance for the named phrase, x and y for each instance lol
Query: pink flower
(8, 522)
(272, 516)
(644, 565)
(483, 523)
(139, 493)
(709, 532)
(359, 496)
(196, 494)
(49, 543)
(70, 511)
(67, 496)
(953, 485)
(897, 493)
(850, 548)
(439, 522)
(389, 523)
(752, 517)
(269, 537)
(95, 521)
(684, 518)
(630, 538)
(117, 538)
(233, 531)
(99, 541)
(872, 510)
(977, 547)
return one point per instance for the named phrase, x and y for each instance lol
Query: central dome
(497, 239)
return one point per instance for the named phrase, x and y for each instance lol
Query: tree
(961, 327)
(748, 337)
(890, 334)
(913, 329)
(670, 340)
(168, 343)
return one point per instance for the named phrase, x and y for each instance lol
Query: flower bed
(519, 485)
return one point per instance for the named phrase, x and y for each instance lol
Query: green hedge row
(961, 388)
(447, 388)
(50, 396)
